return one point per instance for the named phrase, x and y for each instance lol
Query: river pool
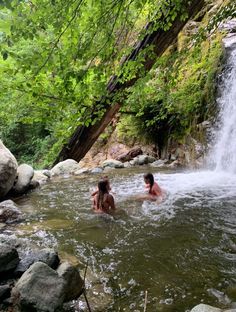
(182, 251)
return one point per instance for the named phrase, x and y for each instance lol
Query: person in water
(105, 179)
(103, 201)
(154, 190)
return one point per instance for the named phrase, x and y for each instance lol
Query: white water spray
(223, 153)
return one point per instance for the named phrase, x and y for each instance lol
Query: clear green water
(182, 252)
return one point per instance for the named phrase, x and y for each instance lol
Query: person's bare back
(154, 192)
(103, 201)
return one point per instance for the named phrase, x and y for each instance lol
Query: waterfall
(223, 152)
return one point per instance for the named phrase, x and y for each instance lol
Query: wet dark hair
(102, 186)
(102, 190)
(106, 179)
(150, 178)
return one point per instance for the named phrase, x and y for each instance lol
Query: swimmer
(105, 179)
(154, 190)
(103, 201)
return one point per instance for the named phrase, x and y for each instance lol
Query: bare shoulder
(110, 200)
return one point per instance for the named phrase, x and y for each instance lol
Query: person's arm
(94, 193)
(95, 202)
(108, 187)
(156, 190)
(112, 202)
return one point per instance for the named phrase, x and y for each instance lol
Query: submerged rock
(221, 296)
(39, 289)
(9, 212)
(231, 291)
(2, 226)
(99, 299)
(8, 169)
(9, 258)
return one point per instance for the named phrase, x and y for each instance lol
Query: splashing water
(182, 250)
(223, 154)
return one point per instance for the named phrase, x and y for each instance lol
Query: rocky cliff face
(188, 146)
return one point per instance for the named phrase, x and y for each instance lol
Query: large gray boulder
(66, 167)
(141, 160)
(46, 255)
(9, 212)
(8, 170)
(74, 284)
(40, 289)
(40, 176)
(207, 308)
(9, 258)
(25, 174)
(112, 163)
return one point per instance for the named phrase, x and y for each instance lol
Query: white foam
(223, 153)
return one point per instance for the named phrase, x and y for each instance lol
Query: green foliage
(57, 57)
(29, 142)
(129, 130)
(177, 94)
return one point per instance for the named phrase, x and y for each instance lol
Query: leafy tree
(57, 58)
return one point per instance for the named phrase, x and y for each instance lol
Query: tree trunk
(84, 137)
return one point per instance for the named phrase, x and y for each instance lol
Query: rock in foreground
(74, 284)
(9, 258)
(46, 255)
(206, 308)
(39, 289)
